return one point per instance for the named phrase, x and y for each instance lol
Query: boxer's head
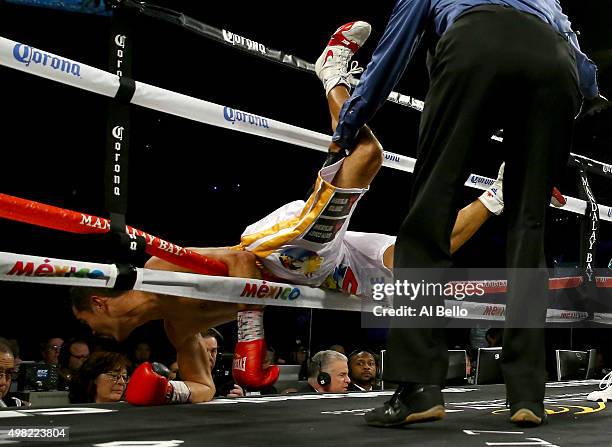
(109, 313)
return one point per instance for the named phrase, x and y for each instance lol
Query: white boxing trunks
(308, 243)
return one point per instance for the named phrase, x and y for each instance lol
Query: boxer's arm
(193, 361)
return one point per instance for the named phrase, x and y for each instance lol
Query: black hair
(83, 387)
(81, 296)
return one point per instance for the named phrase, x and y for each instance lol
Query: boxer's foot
(332, 66)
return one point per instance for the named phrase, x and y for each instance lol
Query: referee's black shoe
(528, 414)
(411, 403)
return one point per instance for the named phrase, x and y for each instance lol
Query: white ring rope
(66, 71)
(41, 270)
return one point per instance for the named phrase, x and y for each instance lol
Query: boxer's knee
(243, 264)
(371, 154)
(154, 263)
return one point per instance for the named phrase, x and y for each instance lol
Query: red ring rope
(42, 215)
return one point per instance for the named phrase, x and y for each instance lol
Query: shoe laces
(354, 68)
(606, 382)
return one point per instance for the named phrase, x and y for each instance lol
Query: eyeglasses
(9, 374)
(115, 376)
(54, 348)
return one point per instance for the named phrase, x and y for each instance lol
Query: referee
(511, 64)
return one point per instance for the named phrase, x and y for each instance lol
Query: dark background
(198, 185)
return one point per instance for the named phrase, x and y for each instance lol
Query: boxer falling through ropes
(304, 243)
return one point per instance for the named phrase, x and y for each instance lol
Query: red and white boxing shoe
(332, 66)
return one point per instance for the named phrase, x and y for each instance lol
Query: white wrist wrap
(180, 392)
(250, 325)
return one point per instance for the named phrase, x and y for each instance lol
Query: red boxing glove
(250, 353)
(147, 387)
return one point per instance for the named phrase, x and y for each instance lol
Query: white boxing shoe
(606, 390)
(332, 66)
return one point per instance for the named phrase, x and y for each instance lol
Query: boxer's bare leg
(364, 162)
(240, 264)
(469, 220)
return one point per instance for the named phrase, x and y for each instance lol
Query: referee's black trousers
(495, 67)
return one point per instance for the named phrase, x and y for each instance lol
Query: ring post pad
(126, 277)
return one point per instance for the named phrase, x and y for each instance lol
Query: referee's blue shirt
(402, 36)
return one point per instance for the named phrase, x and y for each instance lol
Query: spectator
(142, 353)
(478, 338)
(300, 357)
(601, 368)
(327, 373)
(102, 378)
(14, 345)
(174, 371)
(210, 341)
(50, 350)
(72, 356)
(494, 337)
(362, 370)
(7, 375)
(338, 348)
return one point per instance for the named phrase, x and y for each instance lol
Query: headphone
(323, 378)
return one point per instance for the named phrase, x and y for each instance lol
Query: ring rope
(31, 60)
(40, 214)
(253, 289)
(48, 216)
(262, 51)
(42, 270)
(241, 43)
(573, 204)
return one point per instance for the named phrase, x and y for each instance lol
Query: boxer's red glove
(150, 386)
(250, 353)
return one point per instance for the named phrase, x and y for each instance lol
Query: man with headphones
(328, 373)
(363, 368)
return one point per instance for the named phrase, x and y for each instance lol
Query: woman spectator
(73, 354)
(101, 378)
